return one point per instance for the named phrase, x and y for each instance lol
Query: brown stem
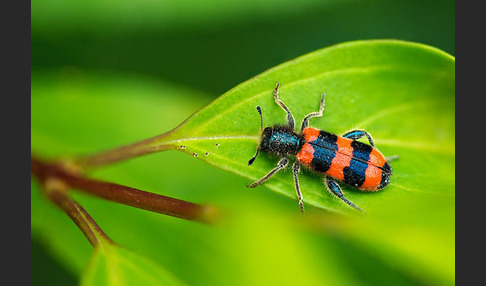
(123, 194)
(56, 192)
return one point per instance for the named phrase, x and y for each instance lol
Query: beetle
(339, 158)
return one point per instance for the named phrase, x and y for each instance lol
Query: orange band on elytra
(311, 134)
(306, 154)
(376, 158)
(373, 178)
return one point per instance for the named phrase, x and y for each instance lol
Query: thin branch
(55, 190)
(128, 151)
(122, 153)
(123, 194)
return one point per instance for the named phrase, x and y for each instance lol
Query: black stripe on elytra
(386, 168)
(354, 174)
(326, 140)
(361, 151)
(385, 175)
(325, 148)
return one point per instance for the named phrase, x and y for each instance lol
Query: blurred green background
(140, 54)
(215, 45)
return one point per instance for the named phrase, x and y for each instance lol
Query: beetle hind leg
(336, 190)
(392, 158)
(356, 134)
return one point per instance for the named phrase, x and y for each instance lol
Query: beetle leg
(391, 158)
(290, 118)
(356, 134)
(281, 164)
(305, 123)
(296, 168)
(336, 190)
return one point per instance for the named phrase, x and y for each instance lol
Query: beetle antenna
(261, 117)
(261, 128)
(253, 158)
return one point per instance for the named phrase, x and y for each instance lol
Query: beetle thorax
(281, 140)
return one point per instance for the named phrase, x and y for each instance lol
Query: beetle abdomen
(353, 162)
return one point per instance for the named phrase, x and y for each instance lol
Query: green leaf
(400, 92)
(407, 239)
(114, 265)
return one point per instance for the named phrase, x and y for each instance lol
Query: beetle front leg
(281, 164)
(290, 117)
(305, 122)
